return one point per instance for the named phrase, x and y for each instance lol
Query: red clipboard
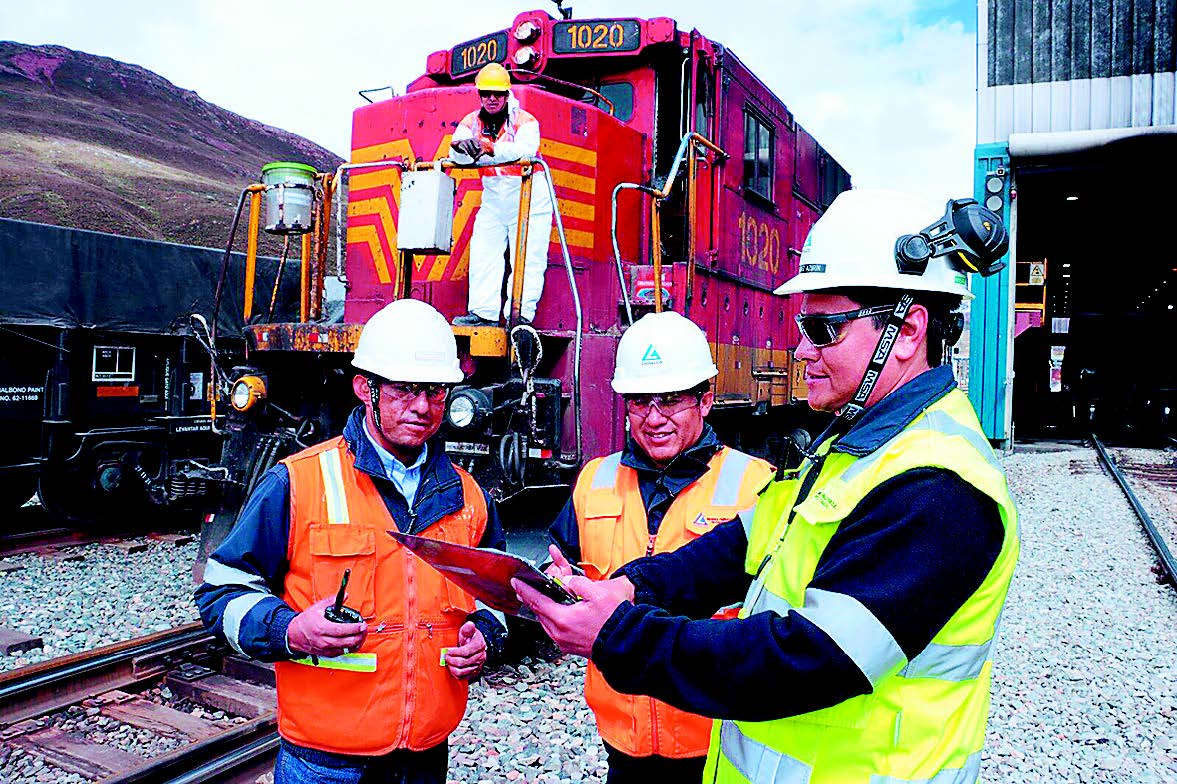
(485, 573)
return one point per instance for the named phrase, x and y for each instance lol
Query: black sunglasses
(825, 329)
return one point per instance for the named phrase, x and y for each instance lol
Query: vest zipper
(411, 642)
(650, 545)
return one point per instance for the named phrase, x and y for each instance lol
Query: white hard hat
(853, 244)
(408, 340)
(662, 352)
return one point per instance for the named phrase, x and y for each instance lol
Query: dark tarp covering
(67, 278)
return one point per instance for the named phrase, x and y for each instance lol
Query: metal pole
(255, 218)
(520, 247)
(656, 254)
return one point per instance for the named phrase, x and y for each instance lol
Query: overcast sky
(887, 86)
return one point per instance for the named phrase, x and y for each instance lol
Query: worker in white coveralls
(501, 131)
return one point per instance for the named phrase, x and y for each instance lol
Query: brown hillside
(94, 143)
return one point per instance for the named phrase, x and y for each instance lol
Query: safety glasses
(403, 392)
(825, 329)
(669, 404)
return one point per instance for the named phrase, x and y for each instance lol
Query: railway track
(79, 714)
(1161, 533)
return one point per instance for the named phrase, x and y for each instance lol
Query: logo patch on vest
(703, 521)
(825, 500)
(651, 357)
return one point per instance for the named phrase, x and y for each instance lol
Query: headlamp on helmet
(971, 236)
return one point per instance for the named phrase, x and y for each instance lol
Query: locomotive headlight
(525, 55)
(468, 408)
(526, 31)
(247, 391)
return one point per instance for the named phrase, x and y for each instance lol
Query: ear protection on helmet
(973, 237)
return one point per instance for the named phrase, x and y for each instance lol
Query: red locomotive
(682, 182)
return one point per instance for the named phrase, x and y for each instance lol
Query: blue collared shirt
(404, 478)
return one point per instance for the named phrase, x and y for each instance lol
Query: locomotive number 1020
(472, 55)
(760, 244)
(596, 35)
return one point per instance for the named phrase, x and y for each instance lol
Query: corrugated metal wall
(1074, 65)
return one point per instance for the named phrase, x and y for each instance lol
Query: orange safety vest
(394, 693)
(613, 532)
(516, 118)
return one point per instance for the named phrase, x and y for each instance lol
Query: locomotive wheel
(15, 491)
(71, 497)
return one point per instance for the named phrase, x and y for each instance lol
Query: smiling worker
(671, 484)
(875, 575)
(376, 700)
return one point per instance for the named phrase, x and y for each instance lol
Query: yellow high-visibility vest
(924, 721)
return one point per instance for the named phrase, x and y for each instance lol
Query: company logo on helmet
(651, 357)
(812, 268)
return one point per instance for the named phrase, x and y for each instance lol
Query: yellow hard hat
(493, 78)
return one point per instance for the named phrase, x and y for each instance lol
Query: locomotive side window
(758, 155)
(703, 100)
(621, 95)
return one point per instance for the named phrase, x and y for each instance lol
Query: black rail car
(104, 369)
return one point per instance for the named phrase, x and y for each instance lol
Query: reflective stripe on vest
(852, 627)
(334, 493)
(757, 762)
(949, 662)
(352, 662)
(727, 484)
(606, 476)
(942, 423)
(746, 516)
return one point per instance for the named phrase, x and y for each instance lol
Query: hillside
(94, 143)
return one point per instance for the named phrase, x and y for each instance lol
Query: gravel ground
(106, 597)
(1085, 685)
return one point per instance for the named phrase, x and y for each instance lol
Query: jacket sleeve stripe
(731, 477)
(855, 630)
(217, 573)
(235, 612)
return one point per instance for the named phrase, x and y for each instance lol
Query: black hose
(225, 266)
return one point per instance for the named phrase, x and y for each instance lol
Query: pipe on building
(1026, 145)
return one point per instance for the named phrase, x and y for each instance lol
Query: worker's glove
(468, 147)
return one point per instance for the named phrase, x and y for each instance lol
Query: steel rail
(243, 750)
(1168, 563)
(39, 688)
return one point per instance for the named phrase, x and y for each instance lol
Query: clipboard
(485, 573)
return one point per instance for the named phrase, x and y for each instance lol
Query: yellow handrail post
(520, 261)
(255, 218)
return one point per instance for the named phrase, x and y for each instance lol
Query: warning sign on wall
(1038, 273)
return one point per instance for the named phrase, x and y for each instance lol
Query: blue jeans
(300, 765)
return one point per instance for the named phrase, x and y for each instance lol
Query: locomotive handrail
(659, 194)
(553, 79)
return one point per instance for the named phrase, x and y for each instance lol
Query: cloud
(887, 86)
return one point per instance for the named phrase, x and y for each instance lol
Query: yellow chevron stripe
(362, 180)
(577, 209)
(366, 235)
(581, 239)
(577, 182)
(567, 152)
